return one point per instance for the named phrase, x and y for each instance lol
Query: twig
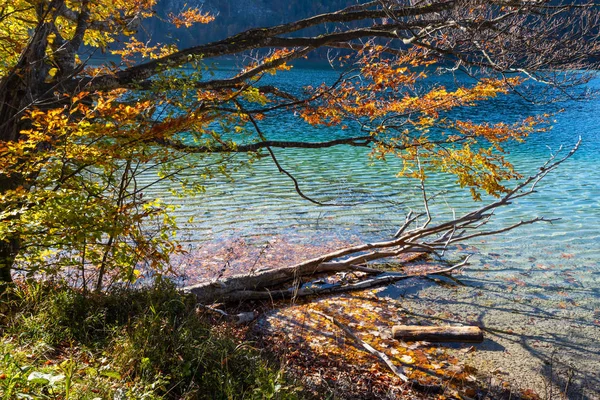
(398, 371)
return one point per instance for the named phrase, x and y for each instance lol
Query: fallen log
(296, 292)
(466, 334)
(245, 286)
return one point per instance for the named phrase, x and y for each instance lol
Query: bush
(59, 342)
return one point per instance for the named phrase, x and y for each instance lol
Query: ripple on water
(553, 267)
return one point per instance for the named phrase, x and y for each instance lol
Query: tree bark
(8, 252)
(465, 334)
(18, 91)
(11, 98)
(254, 286)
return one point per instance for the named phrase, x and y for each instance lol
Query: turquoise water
(261, 204)
(537, 288)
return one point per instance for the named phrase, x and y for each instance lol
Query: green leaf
(38, 378)
(110, 374)
(41, 378)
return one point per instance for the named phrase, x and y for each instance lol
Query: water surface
(261, 202)
(541, 282)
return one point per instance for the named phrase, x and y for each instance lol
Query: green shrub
(58, 342)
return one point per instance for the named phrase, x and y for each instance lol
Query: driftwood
(412, 237)
(240, 318)
(398, 371)
(384, 278)
(465, 334)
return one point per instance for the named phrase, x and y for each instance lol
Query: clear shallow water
(536, 288)
(538, 261)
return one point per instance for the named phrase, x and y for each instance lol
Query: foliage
(78, 141)
(78, 205)
(18, 18)
(58, 342)
(415, 125)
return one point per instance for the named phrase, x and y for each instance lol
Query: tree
(75, 136)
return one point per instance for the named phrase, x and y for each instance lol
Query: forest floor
(156, 342)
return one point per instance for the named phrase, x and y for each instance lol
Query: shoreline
(546, 353)
(538, 337)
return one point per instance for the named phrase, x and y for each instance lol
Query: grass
(60, 343)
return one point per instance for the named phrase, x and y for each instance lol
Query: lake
(540, 283)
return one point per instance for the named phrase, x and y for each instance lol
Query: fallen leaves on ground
(325, 359)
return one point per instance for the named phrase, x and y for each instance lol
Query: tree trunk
(12, 99)
(8, 253)
(19, 90)
(9, 128)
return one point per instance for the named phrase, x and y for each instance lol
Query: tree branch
(264, 38)
(358, 141)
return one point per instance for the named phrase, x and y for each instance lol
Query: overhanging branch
(358, 141)
(265, 38)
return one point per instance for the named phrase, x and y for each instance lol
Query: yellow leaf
(407, 359)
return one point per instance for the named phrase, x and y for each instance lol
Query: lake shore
(555, 353)
(523, 353)
(540, 336)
